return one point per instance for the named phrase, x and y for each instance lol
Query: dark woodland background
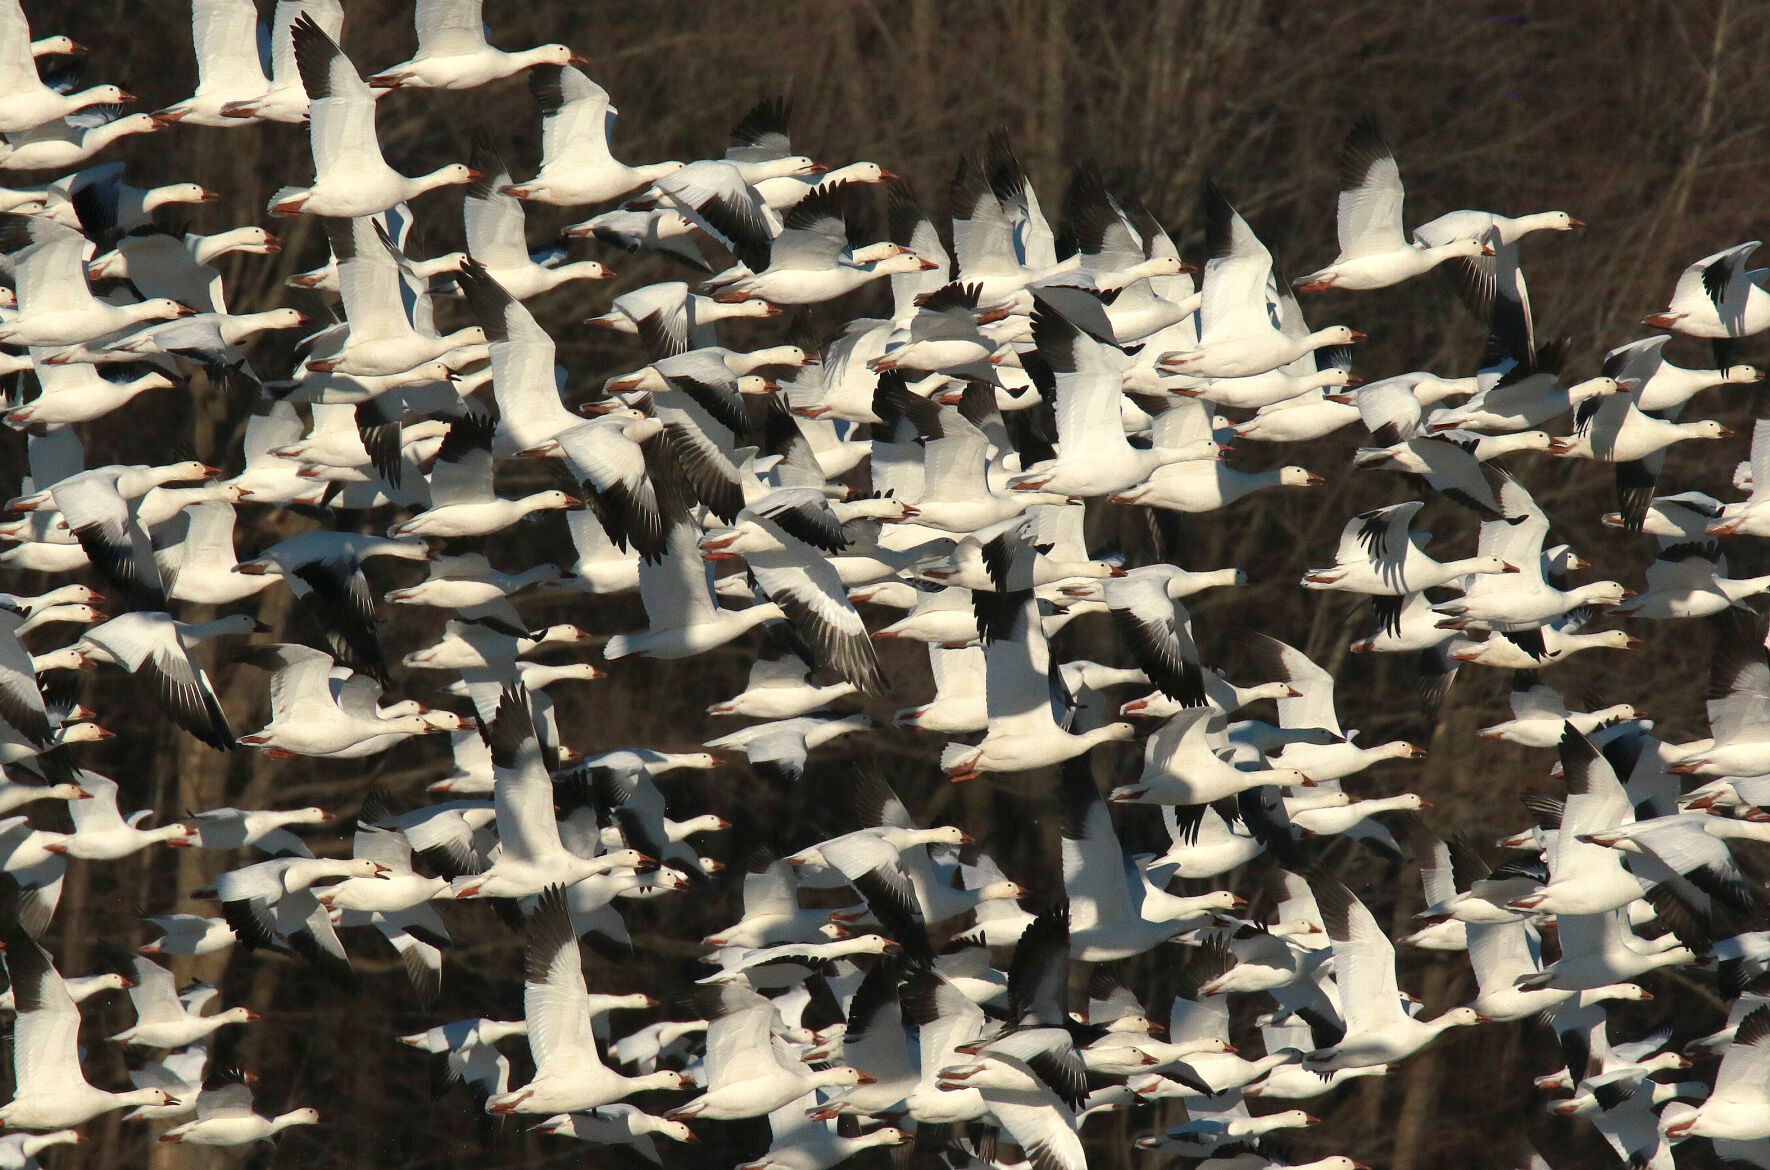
(1647, 120)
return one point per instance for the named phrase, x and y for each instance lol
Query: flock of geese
(924, 478)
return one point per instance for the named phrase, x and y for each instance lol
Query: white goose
(496, 237)
(751, 1071)
(162, 1020)
(1378, 1031)
(453, 53)
(531, 857)
(286, 98)
(51, 1092)
(462, 503)
(1374, 252)
(1238, 336)
(577, 165)
(350, 176)
(55, 306)
(1024, 729)
(320, 709)
(225, 1116)
(225, 36)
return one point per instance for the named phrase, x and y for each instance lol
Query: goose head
(1706, 428)
(551, 500)
(744, 538)
(157, 309)
(296, 1117)
(1002, 891)
(1466, 247)
(1602, 593)
(72, 733)
(1740, 375)
(1461, 1017)
(252, 240)
(144, 1096)
(1294, 476)
(453, 175)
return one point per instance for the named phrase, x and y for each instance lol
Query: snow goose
(1374, 252)
(327, 566)
(750, 1071)
(1094, 457)
(462, 503)
(70, 141)
(162, 1020)
(188, 934)
(100, 832)
(802, 1142)
(264, 829)
(777, 750)
(1600, 949)
(496, 237)
(1738, 706)
(1238, 337)
(618, 1124)
(1664, 386)
(1736, 1110)
(199, 564)
(1378, 554)
(178, 1073)
(1148, 615)
(772, 913)
(1581, 880)
(1378, 1031)
(51, 1091)
(1206, 485)
(601, 567)
(1690, 581)
(156, 648)
(28, 102)
(1744, 518)
(225, 1116)
(671, 320)
(286, 99)
(718, 197)
(1030, 1073)
(810, 261)
(1110, 918)
(1718, 298)
(1540, 717)
(577, 165)
(782, 537)
(960, 705)
(80, 393)
(383, 337)
(271, 905)
(178, 265)
(225, 36)
(1181, 765)
(323, 710)
(350, 176)
(1617, 431)
(1520, 602)
(683, 613)
(779, 688)
(531, 857)
(1025, 730)
(55, 305)
(453, 53)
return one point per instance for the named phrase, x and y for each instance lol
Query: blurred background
(1648, 120)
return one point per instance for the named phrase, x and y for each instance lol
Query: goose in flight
(1374, 250)
(350, 176)
(453, 53)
